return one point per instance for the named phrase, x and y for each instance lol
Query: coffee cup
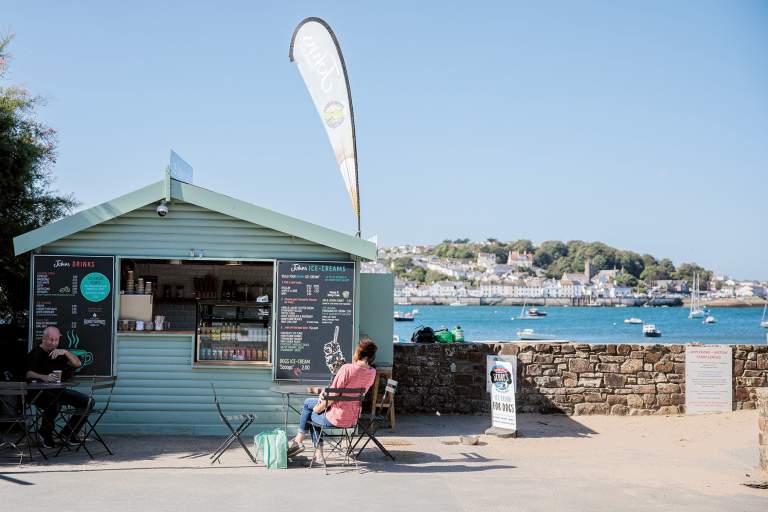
(57, 374)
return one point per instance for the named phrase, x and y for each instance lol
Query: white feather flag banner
(315, 50)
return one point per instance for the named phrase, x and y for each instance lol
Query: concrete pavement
(563, 463)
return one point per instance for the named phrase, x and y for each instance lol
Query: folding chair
(368, 424)
(89, 424)
(13, 413)
(245, 419)
(340, 436)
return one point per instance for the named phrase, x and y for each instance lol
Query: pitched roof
(201, 197)
(572, 278)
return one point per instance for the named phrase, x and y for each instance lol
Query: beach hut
(173, 286)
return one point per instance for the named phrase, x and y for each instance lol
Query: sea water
(595, 325)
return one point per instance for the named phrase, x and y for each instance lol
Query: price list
(74, 293)
(315, 312)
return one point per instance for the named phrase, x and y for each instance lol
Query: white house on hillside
(520, 260)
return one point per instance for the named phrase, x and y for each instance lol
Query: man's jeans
(51, 403)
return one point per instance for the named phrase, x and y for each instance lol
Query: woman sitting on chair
(357, 374)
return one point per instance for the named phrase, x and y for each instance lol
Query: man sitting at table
(42, 361)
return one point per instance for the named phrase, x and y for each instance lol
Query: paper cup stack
(129, 283)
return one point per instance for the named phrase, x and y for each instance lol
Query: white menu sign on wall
(708, 379)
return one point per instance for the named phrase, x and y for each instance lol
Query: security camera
(162, 209)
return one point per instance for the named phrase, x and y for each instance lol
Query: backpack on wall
(423, 335)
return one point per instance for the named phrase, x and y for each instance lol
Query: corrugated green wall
(142, 233)
(159, 392)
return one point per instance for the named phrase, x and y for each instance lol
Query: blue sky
(644, 125)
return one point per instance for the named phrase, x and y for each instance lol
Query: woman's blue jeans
(307, 414)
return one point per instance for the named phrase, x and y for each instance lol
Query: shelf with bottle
(233, 352)
(231, 331)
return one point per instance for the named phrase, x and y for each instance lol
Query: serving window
(227, 305)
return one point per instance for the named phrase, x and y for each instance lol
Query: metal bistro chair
(368, 424)
(341, 436)
(13, 413)
(245, 419)
(89, 424)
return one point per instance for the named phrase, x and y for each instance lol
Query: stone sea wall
(570, 378)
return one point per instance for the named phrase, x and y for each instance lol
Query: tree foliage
(461, 250)
(27, 155)
(433, 276)
(521, 246)
(686, 271)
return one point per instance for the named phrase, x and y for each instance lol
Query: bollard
(762, 426)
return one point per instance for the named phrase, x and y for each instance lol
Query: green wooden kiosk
(249, 297)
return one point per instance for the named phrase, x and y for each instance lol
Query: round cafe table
(287, 390)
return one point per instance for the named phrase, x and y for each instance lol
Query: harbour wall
(537, 301)
(569, 378)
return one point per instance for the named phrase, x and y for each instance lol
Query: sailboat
(697, 311)
(763, 321)
(526, 315)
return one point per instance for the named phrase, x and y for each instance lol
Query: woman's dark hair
(366, 349)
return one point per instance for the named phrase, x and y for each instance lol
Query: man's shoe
(74, 440)
(47, 442)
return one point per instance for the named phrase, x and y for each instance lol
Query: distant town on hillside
(553, 269)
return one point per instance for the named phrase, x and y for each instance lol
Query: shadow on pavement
(410, 461)
(528, 425)
(407, 461)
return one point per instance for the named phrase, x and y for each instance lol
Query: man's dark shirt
(39, 361)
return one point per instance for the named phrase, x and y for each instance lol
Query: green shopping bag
(273, 446)
(444, 336)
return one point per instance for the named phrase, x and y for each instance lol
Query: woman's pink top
(344, 414)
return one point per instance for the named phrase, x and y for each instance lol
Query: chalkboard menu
(75, 294)
(315, 312)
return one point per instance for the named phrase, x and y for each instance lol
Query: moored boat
(531, 314)
(632, 320)
(406, 317)
(709, 320)
(697, 310)
(529, 335)
(650, 331)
